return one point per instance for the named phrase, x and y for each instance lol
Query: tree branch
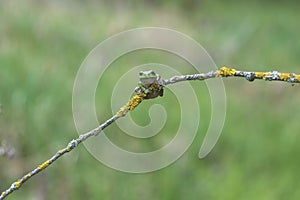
(154, 89)
(230, 72)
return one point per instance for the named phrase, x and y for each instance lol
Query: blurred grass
(41, 48)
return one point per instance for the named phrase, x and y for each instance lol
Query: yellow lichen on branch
(260, 75)
(132, 104)
(44, 165)
(17, 184)
(225, 71)
(135, 101)
(251, 76)
(284, 76)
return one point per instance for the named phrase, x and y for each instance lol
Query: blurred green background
(43, 43)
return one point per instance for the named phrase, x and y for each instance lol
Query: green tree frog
(150, 84)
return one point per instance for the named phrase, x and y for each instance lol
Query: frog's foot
(154, 91)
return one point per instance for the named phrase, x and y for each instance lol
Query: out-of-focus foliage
(42, 44)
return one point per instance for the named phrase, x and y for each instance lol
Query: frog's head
(148, 77)
(147, 74)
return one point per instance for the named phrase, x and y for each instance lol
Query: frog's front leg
(141, 89)
(145, 90)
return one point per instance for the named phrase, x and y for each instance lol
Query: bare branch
(230, 72)
(154, 90)
(132, 103)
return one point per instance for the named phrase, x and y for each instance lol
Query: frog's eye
(152, 72)
(141, 73)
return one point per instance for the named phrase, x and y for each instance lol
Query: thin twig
(155, 89)
(230, 72)
(132, 103)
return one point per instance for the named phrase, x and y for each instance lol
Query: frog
(150, 79)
